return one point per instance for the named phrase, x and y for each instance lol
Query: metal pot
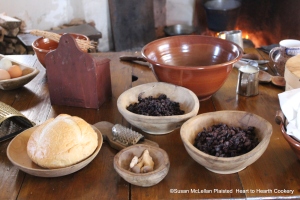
(222, 14)
(179, 29)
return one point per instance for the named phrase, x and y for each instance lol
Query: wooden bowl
(17, 154)
(42, 46)
(160, 159)
(28, 74)
(158, 124)
(199, 63)
(228, 165)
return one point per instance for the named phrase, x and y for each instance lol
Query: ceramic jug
(287, 49)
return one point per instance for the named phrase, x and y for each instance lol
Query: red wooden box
(76, 78)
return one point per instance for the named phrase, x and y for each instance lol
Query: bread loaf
(61, 142)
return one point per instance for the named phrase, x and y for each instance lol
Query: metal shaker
(233, 36)
(247, 84)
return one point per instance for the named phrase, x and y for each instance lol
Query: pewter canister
(247, 84)
(233, 36)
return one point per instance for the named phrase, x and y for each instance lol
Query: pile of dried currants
(151, 106)
(222, 140)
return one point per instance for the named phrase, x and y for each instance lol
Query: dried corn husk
(83, 44)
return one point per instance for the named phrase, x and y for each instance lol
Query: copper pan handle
(136, 58)
(132, 58)
(279, 117)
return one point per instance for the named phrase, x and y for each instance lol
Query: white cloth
(290, 106)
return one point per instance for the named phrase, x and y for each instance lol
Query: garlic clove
(137, 168)
(134, 161)
(146, 169)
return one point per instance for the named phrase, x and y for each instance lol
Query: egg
(4, 75)
(15, 71)
(5, 63)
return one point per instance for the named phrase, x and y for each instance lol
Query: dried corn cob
(83, 44)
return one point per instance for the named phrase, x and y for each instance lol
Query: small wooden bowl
(228, 165)
(160, 159)
(159, 124)
(28, 74)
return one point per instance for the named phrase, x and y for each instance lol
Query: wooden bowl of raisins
(226, 142)
(158, 107)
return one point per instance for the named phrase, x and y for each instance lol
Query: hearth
(263, 22)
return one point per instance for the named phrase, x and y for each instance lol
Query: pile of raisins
(222, 140)
(160, 106)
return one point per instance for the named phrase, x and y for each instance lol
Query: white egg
(5, 63)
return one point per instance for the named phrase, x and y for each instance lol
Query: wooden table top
(274, 174)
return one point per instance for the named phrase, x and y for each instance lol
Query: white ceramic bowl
(160, 159)
(228, 165)
(158, 124)
(28, 74)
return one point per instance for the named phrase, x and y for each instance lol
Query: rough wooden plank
(31, 101)
(159, 17)
(11, 32)
(278, 157)
(98, 179)
(8, 22)
(276, 169)
(159, 8)
(197, 176)
(10, 178)
(132, 23)
(91, 32)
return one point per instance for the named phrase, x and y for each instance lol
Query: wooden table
(272, 175)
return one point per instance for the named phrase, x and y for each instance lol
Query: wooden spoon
(265, 77)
